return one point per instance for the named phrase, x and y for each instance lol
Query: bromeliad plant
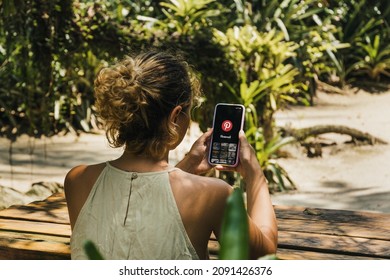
(305, 22)
(183, 17)
(267, 152)
(266, 78)
(373, 58)
(266, 84)
(364, 25)
(277, 177)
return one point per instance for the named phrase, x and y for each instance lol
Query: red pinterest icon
(227, 125)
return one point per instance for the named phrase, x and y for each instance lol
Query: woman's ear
(175, 113)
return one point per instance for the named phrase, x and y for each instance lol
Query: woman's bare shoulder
(207, 195)
(77, 185)
(203, 184)
(83, 174)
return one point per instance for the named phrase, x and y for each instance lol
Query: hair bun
(117, 88)
(136, 96)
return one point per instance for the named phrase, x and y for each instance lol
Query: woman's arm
(263, 234)
(262, 224)
(262, 220)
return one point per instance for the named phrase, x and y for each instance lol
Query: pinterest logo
(227, 126)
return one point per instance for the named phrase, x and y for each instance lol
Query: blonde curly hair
(135, 97)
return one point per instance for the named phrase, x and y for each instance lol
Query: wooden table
(41, 230)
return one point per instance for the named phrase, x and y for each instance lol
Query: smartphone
(227, 122)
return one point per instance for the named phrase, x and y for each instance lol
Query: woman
(140, 207)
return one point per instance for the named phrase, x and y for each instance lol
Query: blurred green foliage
(234, 239)
(92, 251)
(262, 53)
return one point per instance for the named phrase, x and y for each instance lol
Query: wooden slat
(332, 228)
(52, 210)
(213, 247)
(296, 254)
(16, 245)
(354, 246)
(359, 218)
(58, 216)
(301, 248)
(35, 227)
(42, 253)
(10, 235)
(289, 254)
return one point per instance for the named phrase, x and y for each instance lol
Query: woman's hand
(195, 161)
(248, 164)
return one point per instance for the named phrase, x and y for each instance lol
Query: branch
(303, 133)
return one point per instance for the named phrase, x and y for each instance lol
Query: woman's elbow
(268, 247)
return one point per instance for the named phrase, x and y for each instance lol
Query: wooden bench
(41, 230)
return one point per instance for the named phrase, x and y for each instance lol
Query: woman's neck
(140, 163)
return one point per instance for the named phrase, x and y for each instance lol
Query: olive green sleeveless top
(131, 215)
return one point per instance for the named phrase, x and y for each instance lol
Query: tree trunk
(267, 124)
(303, 133)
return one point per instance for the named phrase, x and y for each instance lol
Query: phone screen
(228, 121)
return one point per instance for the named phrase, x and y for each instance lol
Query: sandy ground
(345, 177)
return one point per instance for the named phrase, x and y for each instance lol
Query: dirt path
(345, 177)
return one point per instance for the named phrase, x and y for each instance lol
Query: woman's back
(131, 215)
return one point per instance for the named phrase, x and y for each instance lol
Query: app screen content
(227, 125)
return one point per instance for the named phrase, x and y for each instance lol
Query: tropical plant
(372, 58)
(267, 154)
(289, 16)
(49, 55)
(262, 53)
(266, 80)
(187, 25)
(358, 23)
(36, 37)
(266, 85)
(184, 17)
(305, 22)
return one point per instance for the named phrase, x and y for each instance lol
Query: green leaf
(234, 238)
(244, 91)
(334, 59)
(276, 171)
(272, 101)
(283, 27)
(273, 148)
(91, 251)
